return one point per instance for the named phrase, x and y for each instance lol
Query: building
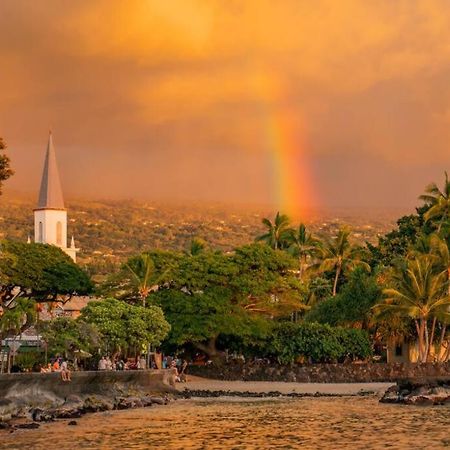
(405, 351)
(50, 216)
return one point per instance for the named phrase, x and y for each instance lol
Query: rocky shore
(188, 393)
(28, 399)
(18, 415)
(419, 392)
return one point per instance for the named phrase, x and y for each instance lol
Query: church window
(58, 233)
(41, 232)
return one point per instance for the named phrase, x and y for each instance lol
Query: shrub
(318, 343)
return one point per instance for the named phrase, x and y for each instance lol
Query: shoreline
(200, 384)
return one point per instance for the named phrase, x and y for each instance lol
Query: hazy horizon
(296, 105)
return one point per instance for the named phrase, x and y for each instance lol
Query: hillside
(109, 231)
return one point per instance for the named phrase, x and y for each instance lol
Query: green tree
(304, 246)
(64, 336)
(139, 276)
(39, 271)
(20, 315)
(341, 256)
(352, 307)
(418, 292)
(265, 282)
(212, 295)
(125, 327)
(5, 165)
(438, 202)
(197, 246)
(277, 232)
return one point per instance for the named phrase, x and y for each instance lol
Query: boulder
(419, 392)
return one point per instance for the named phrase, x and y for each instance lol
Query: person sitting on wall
(55, 366)
(65, 372)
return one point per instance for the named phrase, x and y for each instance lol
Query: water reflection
(330, 423)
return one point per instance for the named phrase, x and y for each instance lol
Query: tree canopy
(125, 326)
(211, 294)
(5, 165)
(38, 271)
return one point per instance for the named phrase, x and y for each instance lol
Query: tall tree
(5, 168)
(438, 201)
(141, 274)
(141, 271)
(277, 231)
(418, 292)
(340, 255)
(303, 245)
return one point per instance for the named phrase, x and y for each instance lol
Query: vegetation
(293, 295)
(213, 294)
(312, 342)
(5, 165)
(126, 327)
(352, 307)
(65, 336)
(38, 271)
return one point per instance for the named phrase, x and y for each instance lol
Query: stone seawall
(22, 394)
(322, 373)
(36, 386)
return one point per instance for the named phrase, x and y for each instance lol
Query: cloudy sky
(176, 98)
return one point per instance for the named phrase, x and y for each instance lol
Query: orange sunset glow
(295, 104)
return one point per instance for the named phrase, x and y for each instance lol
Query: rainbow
(285, 143)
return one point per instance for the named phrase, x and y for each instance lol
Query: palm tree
(340, 255)
(303, 245)
(439, 202)
(277, 232)
(418, 292)
(141, 271)
(197, 246)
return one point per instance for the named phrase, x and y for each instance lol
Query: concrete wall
(323, 373)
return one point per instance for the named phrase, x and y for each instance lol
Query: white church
(50, 216)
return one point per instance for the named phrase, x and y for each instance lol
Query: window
(41, 232)
(58, 233)
(399, 350)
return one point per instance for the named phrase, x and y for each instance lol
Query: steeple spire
(50, 194)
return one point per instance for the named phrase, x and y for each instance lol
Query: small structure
(408, 352)
(50, 216)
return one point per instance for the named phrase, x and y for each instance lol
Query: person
(55, 366)
(108, 363)
(173, 366)
(142, 363)
(102, 363)
(120, 365)
(47, 369)
(182, 375)
(65, 372)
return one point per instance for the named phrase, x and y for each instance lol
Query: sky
(296, 103)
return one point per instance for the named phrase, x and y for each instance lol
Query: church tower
(50, 216)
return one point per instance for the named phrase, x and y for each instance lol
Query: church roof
(50, 194)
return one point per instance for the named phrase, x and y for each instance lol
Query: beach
(198, 383)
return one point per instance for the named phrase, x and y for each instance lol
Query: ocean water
(232, 423)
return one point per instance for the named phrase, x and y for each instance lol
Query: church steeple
(50, 216)
(50, 194)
